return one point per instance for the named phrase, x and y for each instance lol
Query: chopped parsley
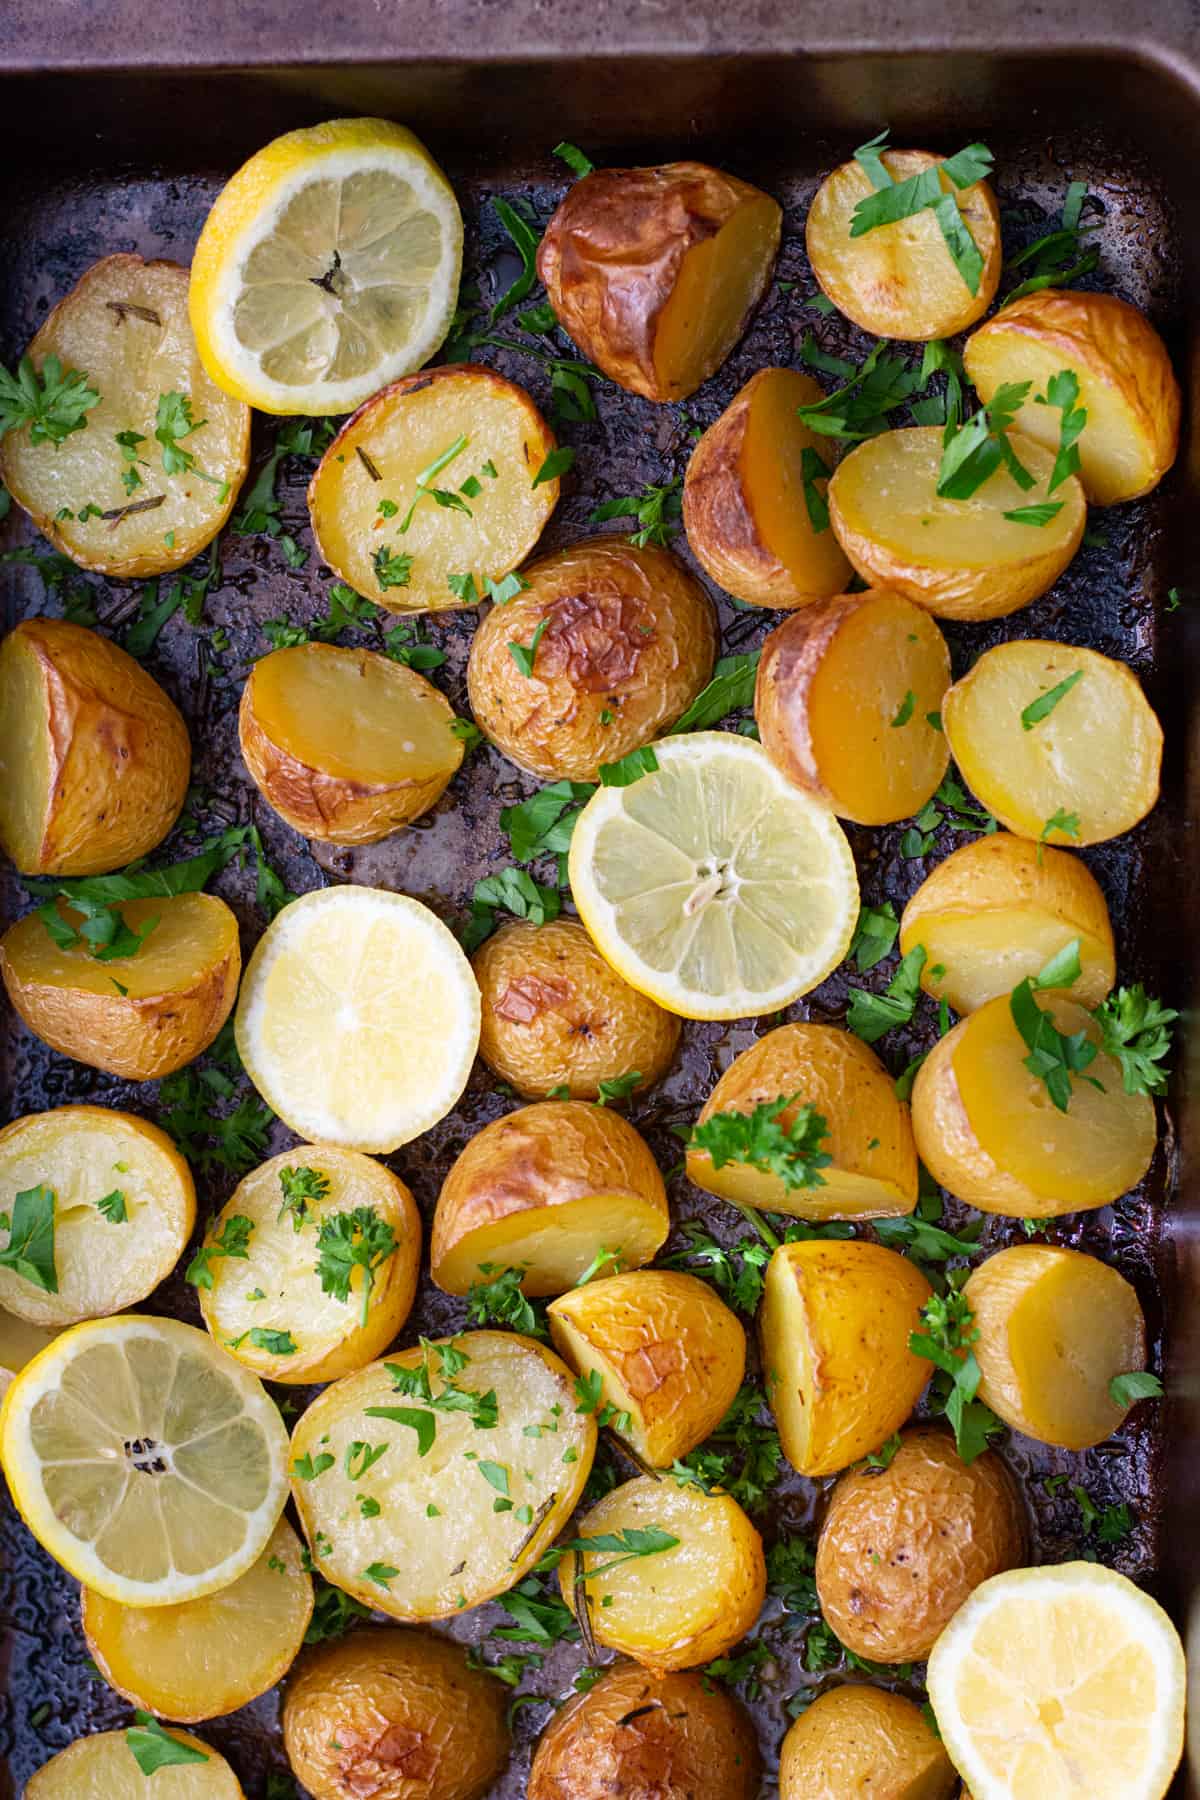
(153, 1748)
(29, 1252)
(658, 511)
(513, 891)
(730, 690)
(1138, 1384)
(758, 1138)
(947, 1340)
(895, 200)
(1136, 1031)
(556, 464)
(51, 403)
(869, 1015)
(973, 452)
(1062, 391)
(300, 1187)
(629, 768)
(353, 1240)
(232, 1240)
(874, 936)
(113, 1207)
(499, 1301)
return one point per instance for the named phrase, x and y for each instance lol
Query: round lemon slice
(1064, 1682)
(358, 1019)
(103, 1767)
(328, 266)
(712, 884)
(147, 1462)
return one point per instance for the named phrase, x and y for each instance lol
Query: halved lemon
(1065, 1682)
(147, 1462)
(712, 884)
(328, 266)
(103, 1767)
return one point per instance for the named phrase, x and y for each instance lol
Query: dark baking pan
(120, 123)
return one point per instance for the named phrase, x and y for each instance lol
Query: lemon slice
(147, 1462)
(713, 884)
(328, 266)
(1064, 1682)
(103, 1767)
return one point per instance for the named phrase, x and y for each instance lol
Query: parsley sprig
(658, 511)
(1058, 258)
(895, 200)
(1062, 391)
(233, 1240)
(301, 1188)
(51, 403)
(972, 452)
(30, 1248)
(498, 1300)
(869, 1015)
(154, 1748)
(792, 1152)
(947, 1340)
(1136, 1031)
(353, 1240)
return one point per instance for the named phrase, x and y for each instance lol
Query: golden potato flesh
(556, 1015)
(94, 758)
(140, 1016)
(873, 1173)
(621, 639)
(747, 496)
(101, 1767)
(20, 1342)
(1055, 1326)
(125, 326)
(835, 1323)
(1126, 384)
(997, 910)
(394, 1715)
(655, 272)
(848, 701)
(545, 1189)
(960, 559)
(863, 1743)
(670, 1354)
(1092, 762)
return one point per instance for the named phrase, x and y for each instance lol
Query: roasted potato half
(959, 559)
(655, 272)
(1092, 761)
(545, 1188)
(670, 1354)
(94, 758)
(1055, 1326)
(749, 497)
(848, 704)
(873, 1172)
(102, 1765)
(618, 642)
(863, 1743)
(460, 432)
(109, 505)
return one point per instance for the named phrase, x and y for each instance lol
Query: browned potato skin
(863, 1743)
(629, 633)
(638, 1734)
(903, 1547)
(394, 1714)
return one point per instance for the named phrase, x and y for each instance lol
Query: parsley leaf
(276, 1342)
(1035, 515)
(173, 422)
(731, 689)
(924, 1241)
(617, 1087)
(334, 1611)
(742, 1457)
(393, 569)
(623, 1546)
(113, 1208)
(415, 1417)
(1057, 259)
(153, 1748)
(1054, 1057)
(523, 654)
(758, 1138)
(299, 1187)
(526, 241)
(514, 891)
(30, 1248)
(972, 452)
(1044, 705)
(657, 510)
(895, 200)
(1137, 1032)
(1066, 822)
(52, 404)
(543, 824)
(869, 1015)
(353, 1240)
(233, 1239)
(1062, 391)
(874, 936)
(859, 409)
(630, 768)
(556, 464)
(575, 160)
(1138, 1384)
(499, 1301)
(950, 1331)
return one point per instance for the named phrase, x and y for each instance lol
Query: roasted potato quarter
(655, 272)
(863, 1743)
(848, 704)
(94, 758)
(1126, 384)
(100, 1765)
(623, 639)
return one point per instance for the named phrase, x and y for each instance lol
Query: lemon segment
(102, 1767)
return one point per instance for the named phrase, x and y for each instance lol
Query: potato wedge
(1093, 761)
(835, 1323)
(987, 1130)
(545, 1188)
(1126, 384)
(996, 910)
(960, 559)
(460, 431)
(749, 493)
(873, 1173)
(900, 280)
(142, 1016)
(674, 1608)
(113, 508)
(1055, 1326)
(655, 272)
(670, 1354)
(848, 704)
(863, 1743)
(94, 758)
(100, 1764)
(621, 641)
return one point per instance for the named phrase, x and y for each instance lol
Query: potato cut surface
(194, 933)
(102, 1767)
(719, 282)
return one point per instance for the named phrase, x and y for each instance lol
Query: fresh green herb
(759, 1139)
(173, 422)
(938, 358)
(523, 654)
(501, 592)
(463, 588)
(657, 510)
(904, 712)
(1066, 822)
(540, 1615)
(308, 1468)
(1174, 600)
(260, 511)
(860, 407)
(814, 468)
(415, 1417)
(886, 1453)
(424, 483)
(467, 733)
(630, 768)
(892, 201)
(1035, 515)
(543, 824)
(617, 1087)
(924, 1241)
(741, 1671)
(790, 1574)
(556, 464)
(526, 241)
(731, 689)
(270, 1339)
(869, 1015)
(30, 1248)
(951, 807)
(52, 404)
(129, 443)
(232, 1240)
(1062, 391)
(874, 936)
(1054, 1057)
(1139, 1384)
(622, 1546)
(736, 1271)
(113, 1207)
(950, 1331)
(499, 1301)
(973, 452)
(353, 1240)
(1044, 705)
(360, 1457)
(153, 1748)
(575, 160)
(300, 1186)
(393, 569)
(207, 1138)
(513, 891)
(742, 1457)
(1136, 1030)
(1058, 258)
(334, 1611)
(381, 1573)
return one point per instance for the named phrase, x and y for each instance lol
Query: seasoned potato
(140, 1016)
(460, 431)
(900, 281)
(670, 1354)
(746, 497)
(996, 910)
(100, 1767)
(556, 1015)
(1094, 758)
(654, 272)
(637, 1734)
(873, 1173)
(94, 758)
(960, 559)
(679, 1607)
(847, 701)
(346, 745)
(902, 1547)
(1127, 386)
(546, 1188)
(394, 1715)
(863, 1743)
(114, 508)
(621, 640)
(987, 1130)
(835, 1323)
(436, 1546)
(1055, 1326)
